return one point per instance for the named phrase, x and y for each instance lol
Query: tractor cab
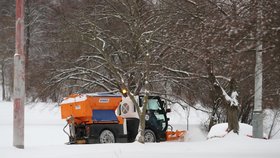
(156, 119)
(156, 126)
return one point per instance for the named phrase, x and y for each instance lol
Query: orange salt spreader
(92, 119)
(82, 107)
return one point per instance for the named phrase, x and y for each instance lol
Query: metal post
(19, 78)
(257, 113)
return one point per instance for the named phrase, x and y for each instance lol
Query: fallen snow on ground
(44, 138)
(43, 125)
(220, 130)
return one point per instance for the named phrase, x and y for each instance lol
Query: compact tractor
(110, 118)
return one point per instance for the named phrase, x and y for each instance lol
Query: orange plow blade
(175, 135)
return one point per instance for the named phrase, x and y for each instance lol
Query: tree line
(170, 48)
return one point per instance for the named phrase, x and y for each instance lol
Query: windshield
(153, 104)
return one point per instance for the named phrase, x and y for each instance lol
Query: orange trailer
(91, 116)
(82, 106)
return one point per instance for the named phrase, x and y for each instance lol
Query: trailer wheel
(149, 136)
(106, 136)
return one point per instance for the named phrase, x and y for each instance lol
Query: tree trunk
(143, 121)
(3, 81)
(219, 92)
(232, 111)
(141, 115)
(232, 116)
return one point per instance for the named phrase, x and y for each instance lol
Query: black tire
(107, 136)
(149, 136)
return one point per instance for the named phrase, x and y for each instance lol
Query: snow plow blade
(175, 135)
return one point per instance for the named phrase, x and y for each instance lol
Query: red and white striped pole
(19, 78)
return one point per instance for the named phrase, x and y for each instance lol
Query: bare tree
(120, 53)
(85, 46)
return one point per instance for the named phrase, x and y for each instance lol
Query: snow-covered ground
(43, 125)
(44, 138)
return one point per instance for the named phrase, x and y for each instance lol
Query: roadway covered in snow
(44, 138)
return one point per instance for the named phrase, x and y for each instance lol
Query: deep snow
(44, 138)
